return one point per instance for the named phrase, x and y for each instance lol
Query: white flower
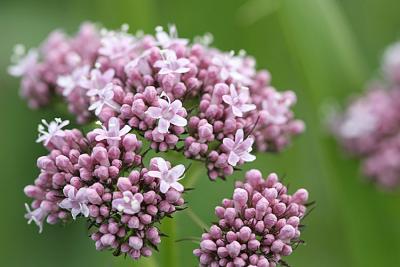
(165, 40)
(76, 201)
(117, 44)
(234, 67)
(239, 149)
(167, 113)
(113, 134)
(54, 128)
(97, 80)
(23, 63)
(38, 215)
(129, 203)
(73, 80)
(171, 64)
(168, 177)
(238, 101)
(100, 90)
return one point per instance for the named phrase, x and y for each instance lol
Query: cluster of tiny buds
(101, 176)
(211, 105)
(257, 227)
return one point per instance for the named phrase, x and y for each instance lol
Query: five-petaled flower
(237, 101)
(76, 201)
(129, 203)
(73, 80)
(100, 88)
(23, 63)
(167, 113)
(37, 215)
(113, 134)
(53, 130)
(171, 64)
(239, 149)
(168, 177)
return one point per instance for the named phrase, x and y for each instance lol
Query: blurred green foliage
(322, 49)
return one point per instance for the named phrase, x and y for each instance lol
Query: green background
(324, 50)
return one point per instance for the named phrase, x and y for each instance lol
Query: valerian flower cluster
(370, 126)
(167, 94)
(259, 225)
(211, 105)
(101, 176)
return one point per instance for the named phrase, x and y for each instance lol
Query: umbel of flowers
(211, 105)
(257, 227)
(370, 126)
(101, 176)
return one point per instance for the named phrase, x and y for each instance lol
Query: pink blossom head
(257, 227)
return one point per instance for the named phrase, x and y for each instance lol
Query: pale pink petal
(229, 143)
(236, 111)
(162, 164)
(227, 99)
(247, 107)
(65, 204)
(248, 157)
(179, 121)
(239, 136)
(233, 159)
(75, 212)
(155, 174)
(177, 186)
(164, 186)
(176, 105)
(163, 125)
(164, 71)
(154, 112)
(177, 171)
(126, 129)
(182, 70)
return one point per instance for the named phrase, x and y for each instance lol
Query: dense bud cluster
(209, 104)
(101, 176)
(257, 227)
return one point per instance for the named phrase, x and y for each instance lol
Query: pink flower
(54, 128)
(239, 149)
(113, 134)
(23, 62)
(97, 80)
(238, 101)
(71, 81)
(167, 114)
(38, 215)
(117, 44)
(276, 106)
(168, 177)
(165, 40)
(104, 97)
(129, 203)
(171, 64)
(76, 201)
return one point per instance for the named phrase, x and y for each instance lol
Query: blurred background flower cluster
(323, 50)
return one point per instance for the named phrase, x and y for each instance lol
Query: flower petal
(179, 120)
(164, 186)
(177, 171)
(155, 174)
(233, 159)
(163, 125)
(179, 187)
